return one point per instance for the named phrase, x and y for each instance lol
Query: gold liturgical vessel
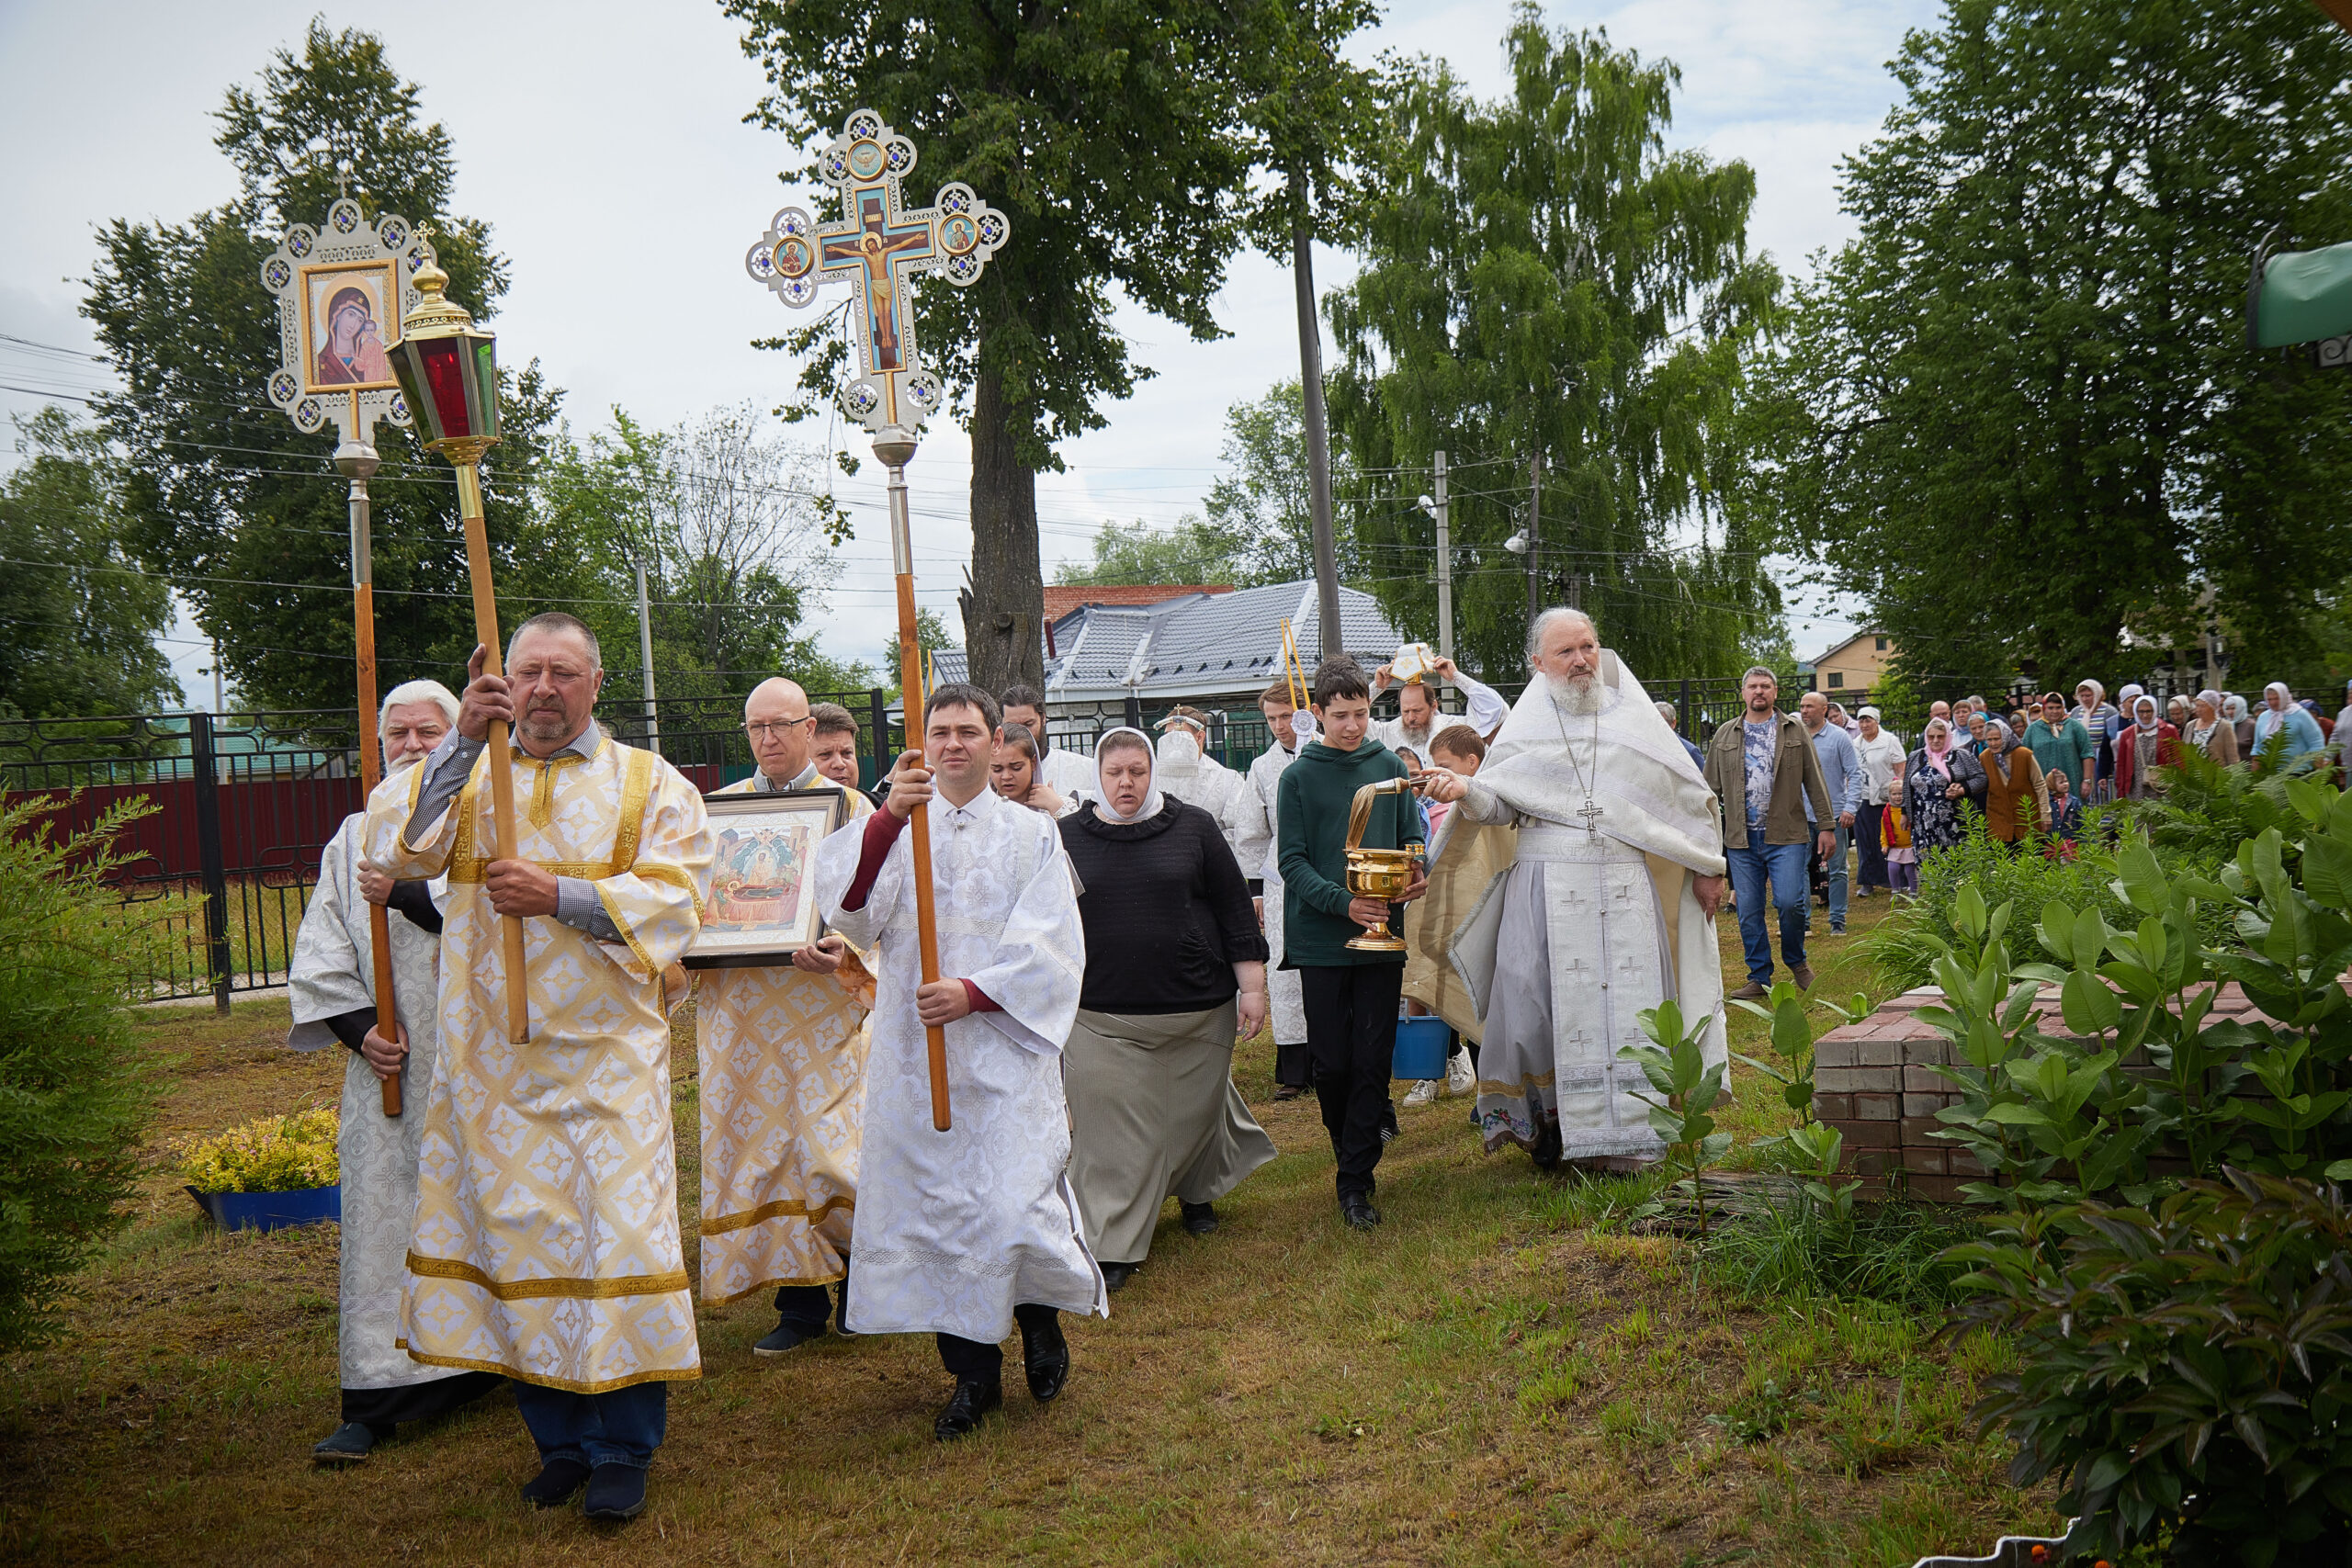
(1378, 874)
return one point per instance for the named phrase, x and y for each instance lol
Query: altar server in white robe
(545, 1244)
(331, 983)
(1417, 719)
(1249, 824)
(965, 1233)
(1607, 907)
(1070, 775)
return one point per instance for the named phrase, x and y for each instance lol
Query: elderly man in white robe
(782, 1049)
(331, 983)
(1417, 719)
(1607, 909)
(1249, 825)
(965, 1233)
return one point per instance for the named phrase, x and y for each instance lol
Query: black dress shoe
(347, 1444)
(1357, 1210)
(1290, 1091)
(974, 1398)
(616, 1492)
(785, 1337)
(1199, 1218)
(1116, 1275)
(1045, 1357)
(555, 1484)
(1547, 1149)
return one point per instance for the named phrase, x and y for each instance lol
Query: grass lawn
(1501, 1375)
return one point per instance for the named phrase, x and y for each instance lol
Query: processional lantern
(449, 372)
(340, 289)
(878, 247)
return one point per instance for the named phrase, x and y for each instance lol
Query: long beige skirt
(1153, 1114)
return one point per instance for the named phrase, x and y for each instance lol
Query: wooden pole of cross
(877, 247)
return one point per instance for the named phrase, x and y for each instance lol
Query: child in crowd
(1902, 860)
(2065, 808)
(1456, 747)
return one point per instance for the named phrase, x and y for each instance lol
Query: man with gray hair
(1606, 907)
(1673, 721)
(331, 983)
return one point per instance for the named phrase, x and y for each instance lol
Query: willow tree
(1543, 278)
(1109, 133)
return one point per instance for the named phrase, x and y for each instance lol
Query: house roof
(1835, 648)
(1200, 642)
(1064, 598)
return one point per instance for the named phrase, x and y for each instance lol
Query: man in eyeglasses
(781, 1052)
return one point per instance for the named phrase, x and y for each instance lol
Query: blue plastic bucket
(1421, 1048)
(271, 1211)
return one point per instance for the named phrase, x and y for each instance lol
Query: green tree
(930, 636)
(220, 491)
(2018, 412)
(1542, 276)
(74, 1096)
(1137, 553)
(81, 620)
(1108, 133)
(1265, 499)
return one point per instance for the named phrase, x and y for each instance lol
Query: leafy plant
(1688, 1088)
(1793, 1036)
(1766, 1413)
(273, 1154)
(2185, 1373)
(74, 1096)
(1820, 1149)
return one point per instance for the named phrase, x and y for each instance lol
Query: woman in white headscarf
(2280, 712)
(2209, 731)
(2146, 744)
(1175, 973)
(2099, 720)
(2233, 709)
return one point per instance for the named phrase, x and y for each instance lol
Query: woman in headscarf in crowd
(1175, 973)
(1012, 772)
(2176, 712)
(2280, 713)
(1940, 779)
(2099, 720)
(2209, 731)
(2146, 744)
(2326, 725)
(2017, 801)
(2234, 710)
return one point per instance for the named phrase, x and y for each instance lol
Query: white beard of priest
(1607, 909)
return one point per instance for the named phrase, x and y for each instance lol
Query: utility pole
(216, 675)
(1318, 443)
(1535, 535)
(1445, 568)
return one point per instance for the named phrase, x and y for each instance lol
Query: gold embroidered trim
(1533, 1080)
(766, 1285)
(530, 1289)
(782, 1207)
(541, 811)
(569, 1385)
(637, 787)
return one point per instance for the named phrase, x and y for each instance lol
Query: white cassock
(955, 1229)
(1486, 707)
(332, 971)
(1595, 920)
(1249, 825)
(1203, 781)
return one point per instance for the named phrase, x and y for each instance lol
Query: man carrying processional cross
(1607, 905)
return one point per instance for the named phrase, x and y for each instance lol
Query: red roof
(1061, 598)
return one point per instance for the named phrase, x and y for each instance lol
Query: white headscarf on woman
(1154, 803)
(2148, 724)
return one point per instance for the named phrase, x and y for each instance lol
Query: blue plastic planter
(1421, 1048)
(271, 1211)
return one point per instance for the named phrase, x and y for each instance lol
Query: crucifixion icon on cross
(876, 247)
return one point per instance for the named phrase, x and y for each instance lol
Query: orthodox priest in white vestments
(547, 1239)
(1605, 909)
(962, 1232)
(783, 1059)
(331, 982)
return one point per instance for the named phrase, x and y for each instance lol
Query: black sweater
(1166, 909)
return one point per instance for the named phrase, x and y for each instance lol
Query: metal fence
(240, 807)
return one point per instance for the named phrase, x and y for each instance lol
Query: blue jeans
(1783, 867)
(1837, 879)
(621, 1425)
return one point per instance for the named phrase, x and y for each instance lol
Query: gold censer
(1378, 874)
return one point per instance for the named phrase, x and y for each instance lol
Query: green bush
(1890, 1251)
(2187, 1374)
(74, 1097)
(275, 1154)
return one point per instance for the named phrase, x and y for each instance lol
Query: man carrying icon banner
(782, 1050)
(546, 1242)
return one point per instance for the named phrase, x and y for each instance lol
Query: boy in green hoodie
(1350, 996)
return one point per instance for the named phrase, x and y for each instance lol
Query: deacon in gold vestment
(783, 1057)
(545, 1244)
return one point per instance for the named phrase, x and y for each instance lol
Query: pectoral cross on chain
(1591, 813)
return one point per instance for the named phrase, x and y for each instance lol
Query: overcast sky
(603, 142)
